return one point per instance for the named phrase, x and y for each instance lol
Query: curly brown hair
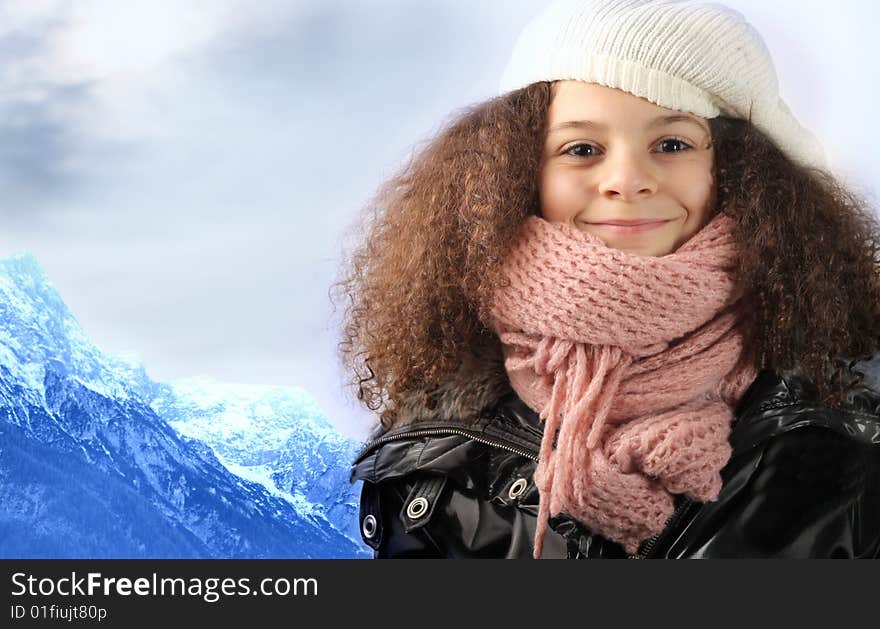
(420, 281)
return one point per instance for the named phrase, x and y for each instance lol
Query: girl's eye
(675, 141)
(582, 146)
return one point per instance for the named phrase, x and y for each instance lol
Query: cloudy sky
(185, 171)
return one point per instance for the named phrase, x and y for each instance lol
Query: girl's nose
(626, 177)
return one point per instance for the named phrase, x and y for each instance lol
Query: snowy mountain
(91, 466)
(275, 436)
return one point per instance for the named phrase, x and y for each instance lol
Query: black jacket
(802, 481)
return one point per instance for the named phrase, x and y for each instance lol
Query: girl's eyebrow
(660, 120)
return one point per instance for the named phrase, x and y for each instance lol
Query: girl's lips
(632, 228)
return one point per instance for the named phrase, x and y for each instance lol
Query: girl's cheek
(557, 197)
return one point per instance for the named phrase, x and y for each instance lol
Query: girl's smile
(630, 227)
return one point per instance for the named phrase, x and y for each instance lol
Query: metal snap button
(417, 508)
(518, 488)
(369, 526)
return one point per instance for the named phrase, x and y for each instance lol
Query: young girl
(621, 310)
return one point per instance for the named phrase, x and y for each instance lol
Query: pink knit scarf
(634, 364)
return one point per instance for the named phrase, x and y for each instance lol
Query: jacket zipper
(452, 431)
(645, 549)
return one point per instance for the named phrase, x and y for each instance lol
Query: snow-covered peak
(250, 417)
(38, 329)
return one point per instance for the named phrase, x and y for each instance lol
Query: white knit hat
(699, 57)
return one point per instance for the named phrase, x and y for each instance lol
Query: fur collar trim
(479, 383)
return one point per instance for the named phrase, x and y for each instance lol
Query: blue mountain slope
(276, 436)
(89, 469)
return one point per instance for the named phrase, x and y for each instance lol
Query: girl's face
(611, 156)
